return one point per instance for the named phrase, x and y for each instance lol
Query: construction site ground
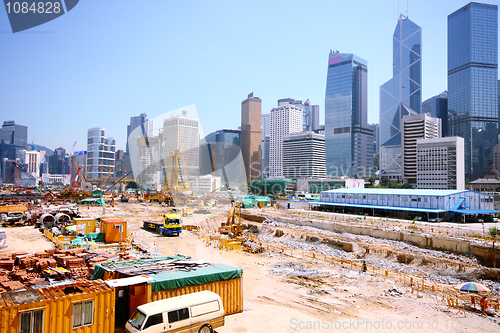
(288, 293)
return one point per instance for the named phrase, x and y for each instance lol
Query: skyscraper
(139, 121)
(251, 112)
(401, 95)
(182, 133)
(100, 154)
(310, 112)
(286, 119)
(473, 83)
(14, 134)
(437, 106)
(348, 138)
(440, 163)
(304, 155)
(413, 127)
(221, 149)
(266, 132)
(13, 139)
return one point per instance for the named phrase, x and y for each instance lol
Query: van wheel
(205, 329)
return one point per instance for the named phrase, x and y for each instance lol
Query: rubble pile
(449, 276)
(471, 261)
(22, 270)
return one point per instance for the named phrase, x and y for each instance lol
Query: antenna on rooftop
(400, 13)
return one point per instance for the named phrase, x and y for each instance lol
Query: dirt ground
(286, 294)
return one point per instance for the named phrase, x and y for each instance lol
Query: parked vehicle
(171, 225)
(197, 312)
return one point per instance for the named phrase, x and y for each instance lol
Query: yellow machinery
(171, 225)
(233, 223)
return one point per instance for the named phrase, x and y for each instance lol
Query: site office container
(9, 209)
(137, 290)
(230, 291)
(89, 223)
(195, 312)
(114, 229)
(80, 307)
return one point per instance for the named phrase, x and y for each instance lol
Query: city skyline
(151, 66)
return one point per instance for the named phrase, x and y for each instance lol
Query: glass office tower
(348, 138)
(401, 95)
(472, 83)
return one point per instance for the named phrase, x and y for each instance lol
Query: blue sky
(108, 60)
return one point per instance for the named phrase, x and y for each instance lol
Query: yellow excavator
(233, 224)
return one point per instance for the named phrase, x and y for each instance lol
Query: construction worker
(483, 304)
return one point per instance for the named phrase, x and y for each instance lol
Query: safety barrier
(65, 245)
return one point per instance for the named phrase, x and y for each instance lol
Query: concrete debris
(392, 292)
(403, 265)
(314, 247)
(372, 240)
(292, 269)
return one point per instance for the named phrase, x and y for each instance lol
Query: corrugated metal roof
(392, 191)
(130, 281)
(80, 287)
(406, 209)
(476, 211)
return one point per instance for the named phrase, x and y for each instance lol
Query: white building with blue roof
(438, 205)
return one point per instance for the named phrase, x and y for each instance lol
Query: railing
(64, 245)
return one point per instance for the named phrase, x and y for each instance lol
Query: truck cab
(172, 225)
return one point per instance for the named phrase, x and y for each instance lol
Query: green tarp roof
(99, 201)
(201, 275)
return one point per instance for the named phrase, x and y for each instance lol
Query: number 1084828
(35, 7)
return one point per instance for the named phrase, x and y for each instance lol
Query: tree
(371, 181)
(384, 182)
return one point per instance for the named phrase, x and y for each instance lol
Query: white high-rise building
(182, 132)
(310, 112)
(286, 119)
(414, 127)
(304, 155)
(100, 154)
(441, 163)
(30, 161)
(265, 133)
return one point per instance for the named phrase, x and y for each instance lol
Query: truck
(171, 225)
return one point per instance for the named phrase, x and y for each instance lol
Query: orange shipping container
(114, 229)
(84, 306)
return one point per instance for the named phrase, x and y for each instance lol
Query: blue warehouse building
(426, 205)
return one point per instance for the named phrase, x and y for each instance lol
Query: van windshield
(137, 319)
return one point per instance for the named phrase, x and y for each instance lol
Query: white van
(197, 312)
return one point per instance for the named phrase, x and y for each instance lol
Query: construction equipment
(104, 182)
(233, 224)
(171, 225)
(119, 180)
(20, 168)
(180, 190)
(78, 170)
